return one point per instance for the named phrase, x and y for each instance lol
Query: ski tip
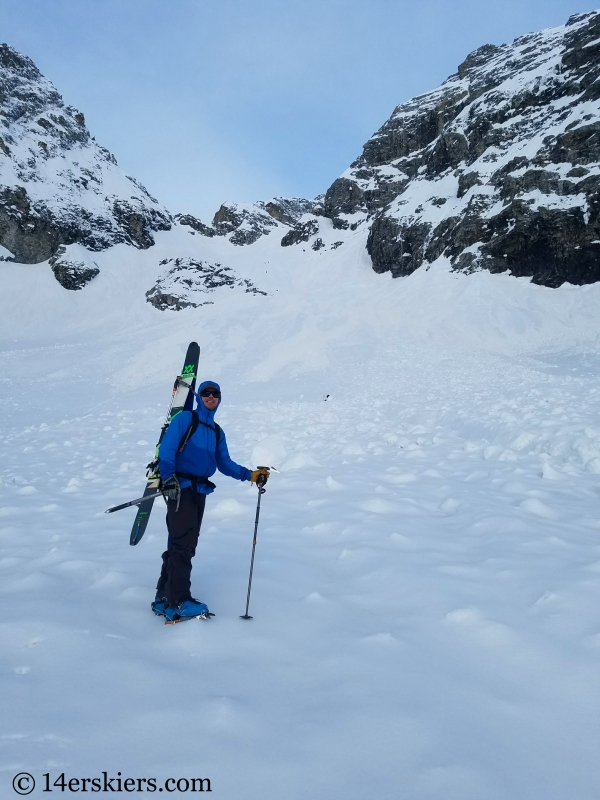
(135, 538)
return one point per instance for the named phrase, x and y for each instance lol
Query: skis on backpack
(182, 399)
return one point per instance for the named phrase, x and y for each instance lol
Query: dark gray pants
(183, 525)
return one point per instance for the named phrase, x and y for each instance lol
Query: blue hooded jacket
(200, 456)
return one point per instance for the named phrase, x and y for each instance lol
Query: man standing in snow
(189, 455)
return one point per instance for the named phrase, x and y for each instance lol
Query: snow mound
(269, 451)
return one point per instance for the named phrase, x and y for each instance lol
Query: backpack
(192, 428)
(152, 468)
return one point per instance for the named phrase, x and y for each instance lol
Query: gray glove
(171, 489)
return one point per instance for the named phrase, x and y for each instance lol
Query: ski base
(144, 508)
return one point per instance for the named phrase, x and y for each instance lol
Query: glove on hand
(260, 476)
(171, 489)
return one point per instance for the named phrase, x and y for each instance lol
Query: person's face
(210, 402)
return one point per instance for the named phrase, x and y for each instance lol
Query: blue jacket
(199, 456)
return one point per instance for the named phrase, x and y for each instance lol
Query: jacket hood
(203, 413)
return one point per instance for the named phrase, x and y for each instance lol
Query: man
(186, 464)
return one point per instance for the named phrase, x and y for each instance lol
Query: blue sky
(207, 101)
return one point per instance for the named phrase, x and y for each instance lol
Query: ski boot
(158, 606)
(187, 609)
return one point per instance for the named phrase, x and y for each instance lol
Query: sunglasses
(210, 393)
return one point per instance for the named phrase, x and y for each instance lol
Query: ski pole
(261, 491)
(133, 502)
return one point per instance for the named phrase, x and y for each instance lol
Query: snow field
(427, 569)
(425, 588)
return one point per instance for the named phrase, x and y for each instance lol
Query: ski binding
(207, 615)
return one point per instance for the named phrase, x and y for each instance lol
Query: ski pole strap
(196, 479)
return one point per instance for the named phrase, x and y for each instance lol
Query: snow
(425, 593)
(5, 254)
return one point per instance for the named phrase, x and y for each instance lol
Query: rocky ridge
(57, 185)
(498, 168)
(246, 223)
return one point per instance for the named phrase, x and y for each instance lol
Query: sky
(206, 102)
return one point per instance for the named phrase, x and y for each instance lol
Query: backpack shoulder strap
(191, 430)
(193, 427)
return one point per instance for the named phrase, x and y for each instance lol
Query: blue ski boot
(158, 606)
(187, 609)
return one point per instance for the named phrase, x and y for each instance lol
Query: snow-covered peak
(57, 185)
(498, 168)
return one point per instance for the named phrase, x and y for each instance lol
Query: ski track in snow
(425, 592)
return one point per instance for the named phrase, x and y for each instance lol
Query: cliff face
(498, 168)
(57, 185)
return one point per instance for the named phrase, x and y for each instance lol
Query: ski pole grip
(262, 479)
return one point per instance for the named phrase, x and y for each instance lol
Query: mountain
(497, 169)
(57, 185)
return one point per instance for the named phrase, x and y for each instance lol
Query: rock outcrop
(195, 224)
(498, 168)
(246, 223)
(186, 282)
(73, 267)
(57, 185)
(301, 232)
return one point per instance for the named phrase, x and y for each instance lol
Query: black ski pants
(183, 525)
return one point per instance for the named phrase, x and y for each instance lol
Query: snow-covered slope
(498, 168)
(57, 185)
(425, 592)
